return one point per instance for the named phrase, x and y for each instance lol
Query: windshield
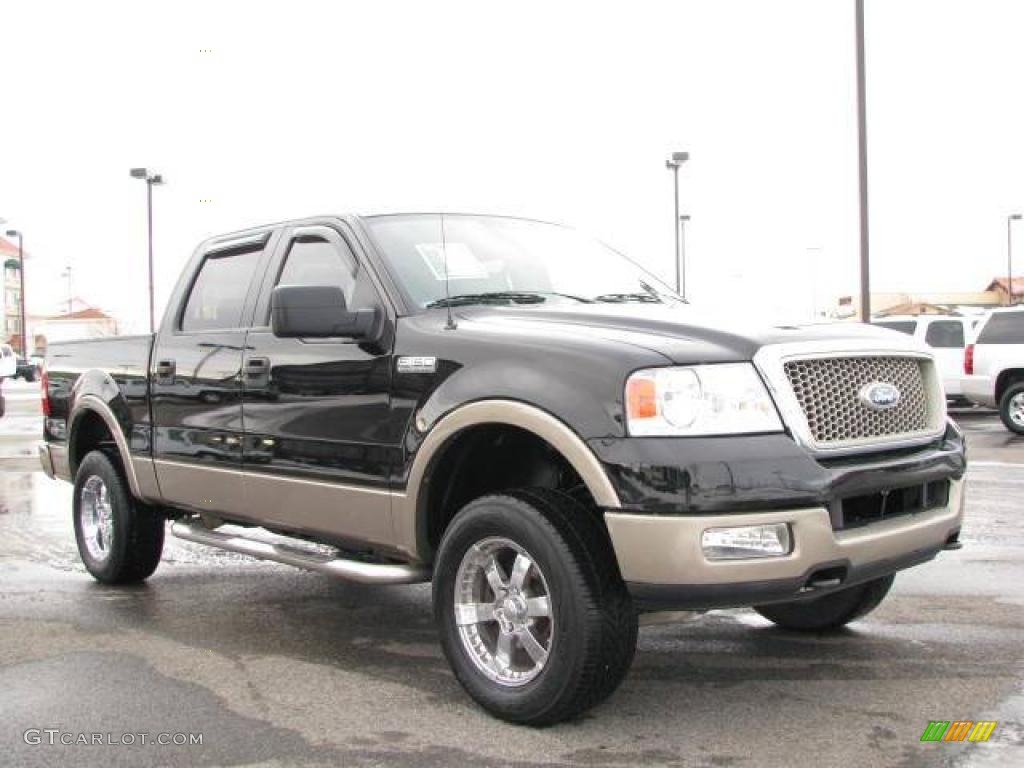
(495, 260)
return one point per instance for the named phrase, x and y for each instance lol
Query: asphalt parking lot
(275, 666)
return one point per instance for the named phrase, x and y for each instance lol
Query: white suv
(994, 366)
(8, 362)
(947, 336)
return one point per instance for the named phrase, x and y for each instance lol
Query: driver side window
(314, 259)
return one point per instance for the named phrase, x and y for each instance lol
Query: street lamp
(21, 272)
(675, 160)
(1009, 256)
(683, 218)
(151, 180)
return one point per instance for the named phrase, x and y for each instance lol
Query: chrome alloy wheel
(1016, 409)
(97, 518)
(503, 611)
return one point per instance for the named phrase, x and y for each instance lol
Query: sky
(562, 111)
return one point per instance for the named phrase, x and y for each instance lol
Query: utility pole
(862, 167)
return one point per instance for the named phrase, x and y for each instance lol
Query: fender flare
(94, 404)
(407, 508)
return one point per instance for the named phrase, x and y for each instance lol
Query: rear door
(1000, 343)
(318, 437)
(196, 378)
(947, 339)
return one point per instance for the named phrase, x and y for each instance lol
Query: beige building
(82, 322)
(883, 304)
(10, 299)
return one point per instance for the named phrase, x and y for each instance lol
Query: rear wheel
(120, 540)
(533, 615)
(1011, 408)
(829, 612)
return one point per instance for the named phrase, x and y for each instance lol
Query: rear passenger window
(945, 334)
(1003, 328)
(218, 293)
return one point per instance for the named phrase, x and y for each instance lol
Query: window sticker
(462, 264)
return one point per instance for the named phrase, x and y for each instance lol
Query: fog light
(771, 540)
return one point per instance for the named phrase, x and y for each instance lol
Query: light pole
(1009, 256)
(151, 179)
(862, 167)
(675, 160)
(21, 272)
(682, 252)
(67, 273)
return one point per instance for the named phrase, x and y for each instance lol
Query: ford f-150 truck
(518, 414)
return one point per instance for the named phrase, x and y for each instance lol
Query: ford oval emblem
(880, 396)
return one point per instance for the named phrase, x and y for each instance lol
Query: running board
(352, 570)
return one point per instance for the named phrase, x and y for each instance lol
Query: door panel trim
(351, 513)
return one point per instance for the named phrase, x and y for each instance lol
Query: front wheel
(120, 540)
(829, 612)
(1011, 408)
(533, 615)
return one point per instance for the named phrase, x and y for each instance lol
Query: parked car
(947, 336)
(8, 362)
(994, 366)
(26, 369)
(519, 414)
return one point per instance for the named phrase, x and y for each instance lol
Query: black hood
(681, 334)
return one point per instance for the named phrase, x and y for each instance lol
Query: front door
(317, 441)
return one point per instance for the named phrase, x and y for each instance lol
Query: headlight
(719, 399)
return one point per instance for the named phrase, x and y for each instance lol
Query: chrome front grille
(828, 389)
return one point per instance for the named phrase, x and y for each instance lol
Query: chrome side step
(353, 570)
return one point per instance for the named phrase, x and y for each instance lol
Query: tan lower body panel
(349, 512)
(342, 511)
(661, 549)
(200, 487)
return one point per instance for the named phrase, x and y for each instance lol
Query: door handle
(165, 369)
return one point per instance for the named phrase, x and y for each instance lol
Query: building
(998, 287)
(82, 322)
(10, 300)
(883, 304)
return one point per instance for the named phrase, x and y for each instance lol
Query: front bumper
(661, 559)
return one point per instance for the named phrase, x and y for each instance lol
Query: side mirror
(318, 311)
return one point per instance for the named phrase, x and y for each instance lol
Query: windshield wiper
(500, 297)
(624, 298)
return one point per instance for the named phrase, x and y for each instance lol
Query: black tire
(593, 637)
(136, 541)
(1005, 402)
(829, 612)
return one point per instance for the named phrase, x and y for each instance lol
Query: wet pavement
(275, 666)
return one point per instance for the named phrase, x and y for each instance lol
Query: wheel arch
(91, 421)
(411, 509)
(1007, 379)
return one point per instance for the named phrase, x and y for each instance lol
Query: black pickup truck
(523, 417)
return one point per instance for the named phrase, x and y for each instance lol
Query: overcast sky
(559, 111)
